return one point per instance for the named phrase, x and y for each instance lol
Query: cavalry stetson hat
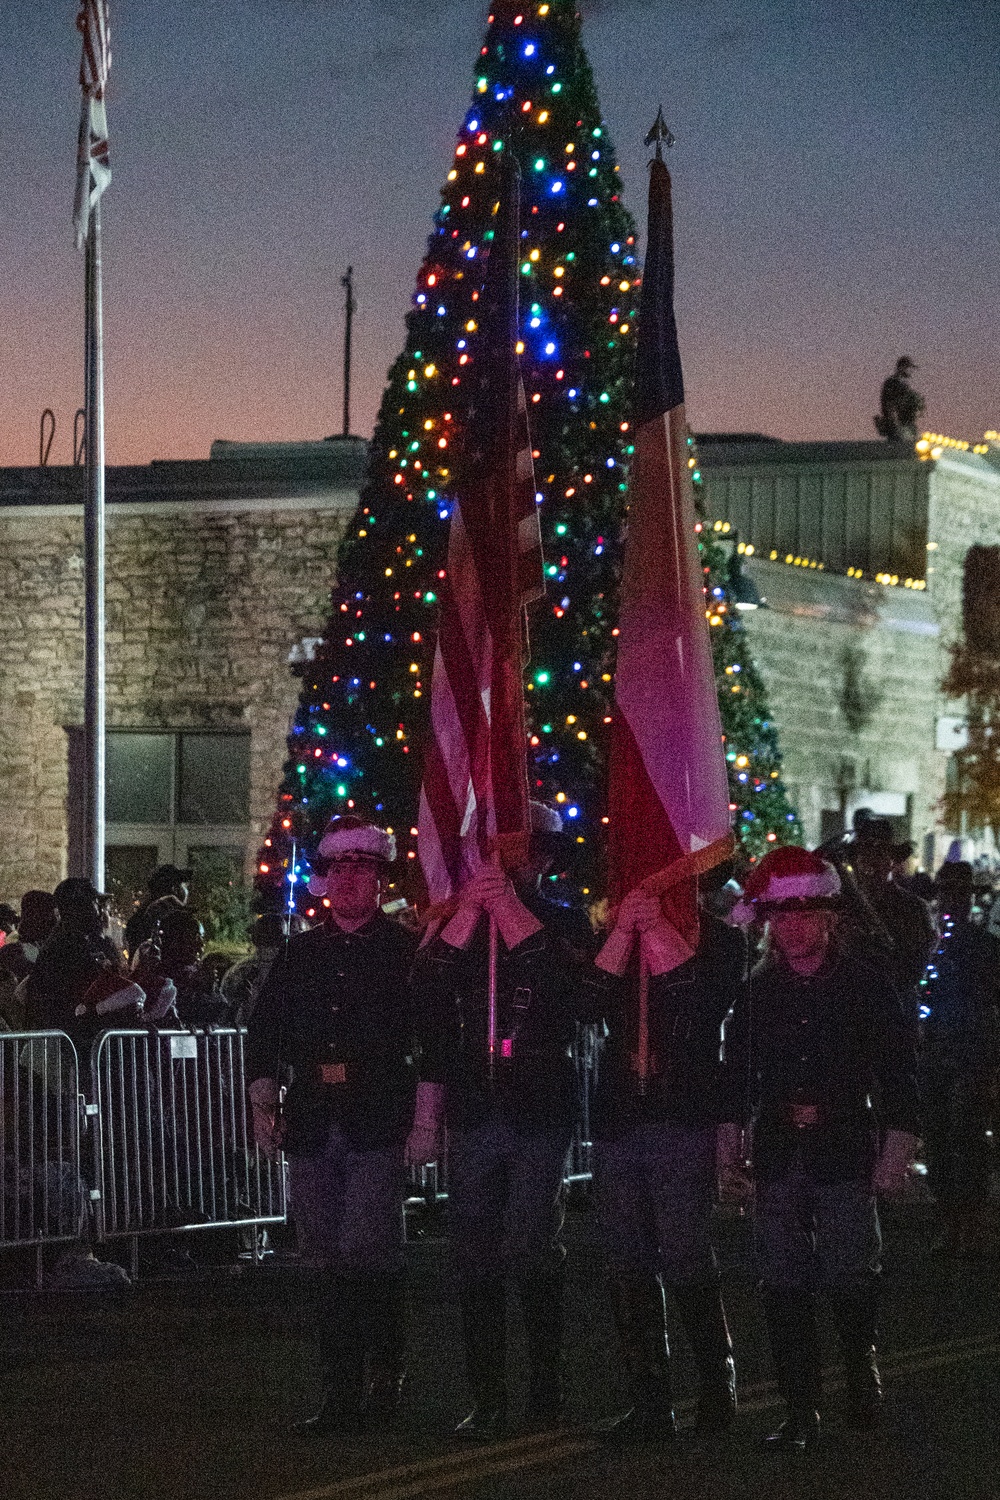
(350, 839)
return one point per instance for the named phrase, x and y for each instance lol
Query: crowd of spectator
(68, 964)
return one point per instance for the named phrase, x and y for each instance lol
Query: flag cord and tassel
(642, 1050)
(491, 1001)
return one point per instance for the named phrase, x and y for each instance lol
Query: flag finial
(660, 134)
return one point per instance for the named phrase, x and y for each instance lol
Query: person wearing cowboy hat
(817, 1034)
(873, 854)
(333, 1026)
(509, 1135)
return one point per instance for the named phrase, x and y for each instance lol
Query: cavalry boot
(542, 1310)
(341, 1317)
(641, 1319)
(704, 1320)
(484, 1327)
(791, 1324)
(386, 1361)
(855, 1312)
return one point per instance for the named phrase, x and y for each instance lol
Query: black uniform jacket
(334, 1021)
(834, 1048)
(687, 1008)
(540, 994)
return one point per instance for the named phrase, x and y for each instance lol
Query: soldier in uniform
(905, 917)
(654, 1159)
(509, 1135)
(821, 1066)
(960, 1055)
(333, 1025)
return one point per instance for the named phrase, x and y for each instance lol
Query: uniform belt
(801, 1116)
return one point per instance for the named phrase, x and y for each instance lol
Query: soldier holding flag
(654, 1160)
(657, 1107)
(498, 982)
(509, 1127)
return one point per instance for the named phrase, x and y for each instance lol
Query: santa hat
(351, 838)
(787, 879)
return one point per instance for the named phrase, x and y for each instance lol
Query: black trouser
(955, 1119)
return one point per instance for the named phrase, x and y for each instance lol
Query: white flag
(93, 167)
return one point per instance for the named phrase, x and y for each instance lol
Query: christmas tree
(358, 734)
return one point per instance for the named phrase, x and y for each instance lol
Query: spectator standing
(817, 1034)
(18, 956)
(8, 922)
(79, 979)
(874, 854)
(168, 889)
(173, 957)
(960, 1055)
(242, 983)
(654, 1159)
(333, 1024)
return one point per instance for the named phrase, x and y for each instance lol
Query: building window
(176, 797)
(190, 779)
(213, 778)
(139, 778)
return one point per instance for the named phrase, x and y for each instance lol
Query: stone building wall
(822, 635)
(205, 600)
(821, 626)
(216, 570)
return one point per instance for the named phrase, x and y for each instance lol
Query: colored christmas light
(579, 385)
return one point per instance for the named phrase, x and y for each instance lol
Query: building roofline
(252, 472)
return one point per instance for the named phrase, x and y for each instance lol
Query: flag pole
(94, 545)
(350, 308)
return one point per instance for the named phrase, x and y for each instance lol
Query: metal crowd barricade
(173, 1146)
(42, 1192)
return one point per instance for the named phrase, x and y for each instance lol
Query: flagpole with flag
(668, 801)
(92, 177)
(474, 797)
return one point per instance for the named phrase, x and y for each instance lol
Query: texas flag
(668, 796)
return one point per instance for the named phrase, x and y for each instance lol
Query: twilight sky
(836, 178)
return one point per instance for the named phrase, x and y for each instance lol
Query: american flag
(475, 789)
(668, 799)
(93, 168)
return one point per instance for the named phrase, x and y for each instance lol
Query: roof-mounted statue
(900, 405)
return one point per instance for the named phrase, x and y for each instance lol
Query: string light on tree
(533, 93)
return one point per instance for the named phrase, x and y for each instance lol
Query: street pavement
(184, 1388)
